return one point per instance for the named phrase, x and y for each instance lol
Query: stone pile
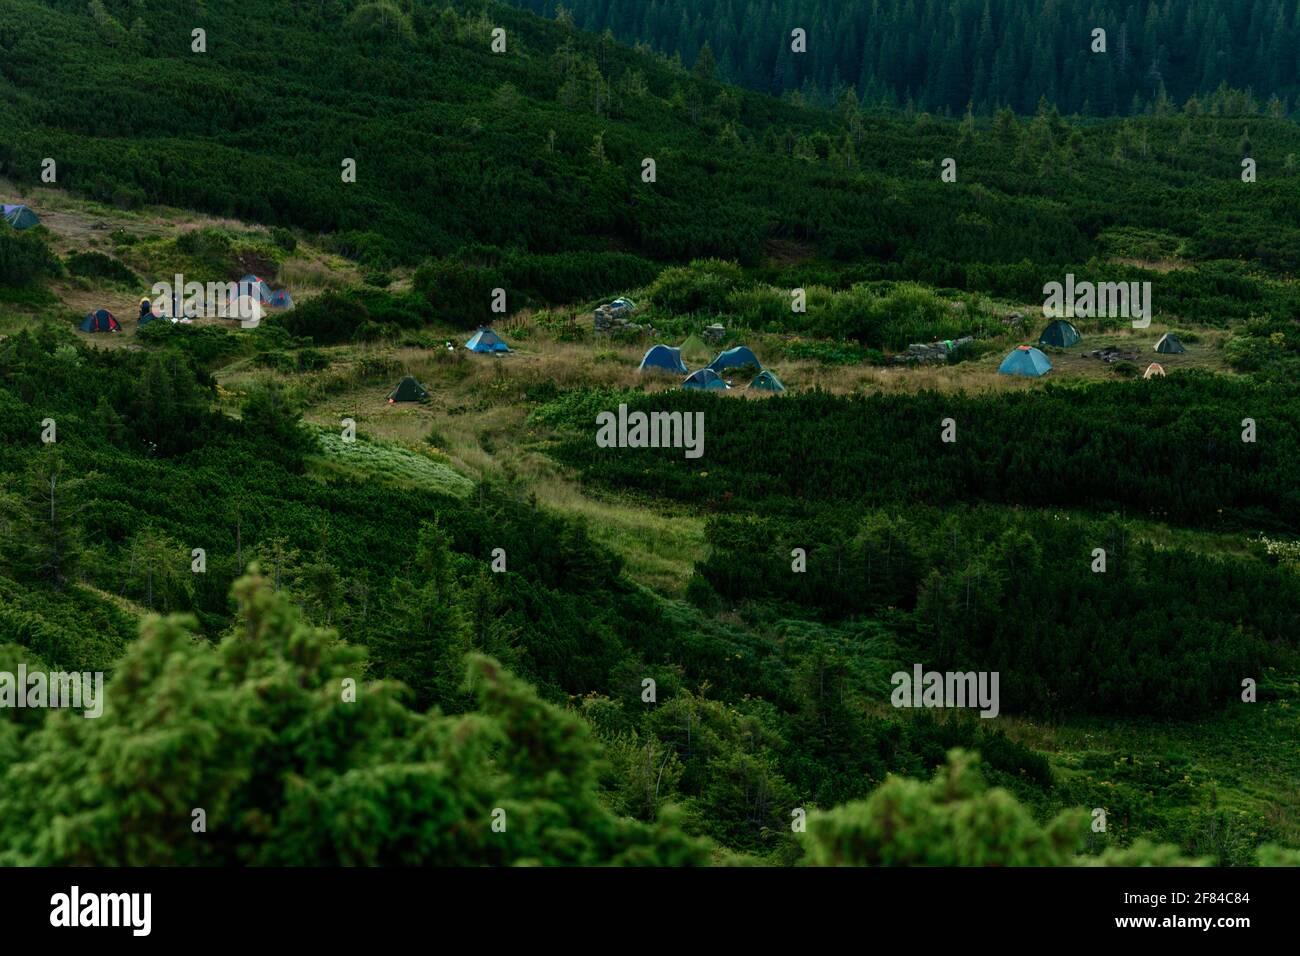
(921, 353)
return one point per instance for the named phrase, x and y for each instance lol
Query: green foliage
(946, 57)
(955, 820)
(25, 258)
(271, 414)
(703, 286)
(1071, 449)
(99, 266)
(296, 760)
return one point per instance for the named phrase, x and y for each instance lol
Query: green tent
(408, 390)
(694, 349)
(1169, 344)
(767, 382)
(1060, 334)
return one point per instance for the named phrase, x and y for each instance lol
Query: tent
(768, 382)
(1169, 344)
(281, 300)
(408, 390)
(1025, 360)
(1154, 369)
(694, 349)
(738, 357)
(485, 340)
(1060, 334)
(705, 378)
(20, 217)
(665, 358)
(254, 286)
(100, 320)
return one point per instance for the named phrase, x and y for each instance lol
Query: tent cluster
(260, 291)
(19, 216)
(1026, 360)
(666, 358)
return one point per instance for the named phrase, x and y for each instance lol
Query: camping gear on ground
(408, 390)
(1169, 344)
(485, 340)
(767, 382)
(664, 358)
(147, 313)
(1025, 360)
(281, 299)
(1154, 369)
(101, 320)
(1060, 334)
(20, 217)
(738, 357)
(705, 378)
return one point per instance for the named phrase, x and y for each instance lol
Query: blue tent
(738, 357)
(281, 300)
(705, 378)
(767, 382)
(663, 357)
(1025, 360)
(20, 217)
(255, 288)
(485, 340)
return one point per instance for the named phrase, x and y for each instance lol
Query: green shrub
(703, 286)
(25, 258)
(99, 266)
(283, 238)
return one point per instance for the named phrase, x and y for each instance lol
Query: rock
(714, 333)
(922, 354)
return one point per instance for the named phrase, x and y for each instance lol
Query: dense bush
(24, 257)
(1175, 453)
(96, 265)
